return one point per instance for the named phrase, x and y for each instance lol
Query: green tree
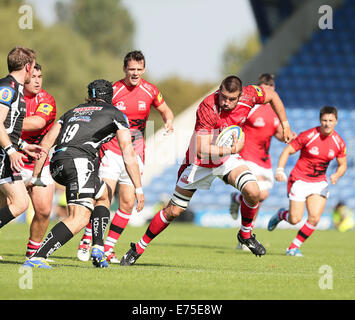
(105, 23)
(236, 55)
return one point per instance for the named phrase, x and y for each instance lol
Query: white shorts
(112, 167)
(259, 171)
(300, 190)
(46, 176)
(196, 177)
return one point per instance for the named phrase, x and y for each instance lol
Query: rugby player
(79, 133)
(204, 161)
(134, 96)
(40, 116)
(307, 183)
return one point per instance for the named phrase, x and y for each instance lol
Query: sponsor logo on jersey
(87, 109)
(45, 108)
(141, 105)
(258, 91)
(80, 118)
(6, 95)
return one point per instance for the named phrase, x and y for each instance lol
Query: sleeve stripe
(144, 89)
(244, 104)
(314, 138)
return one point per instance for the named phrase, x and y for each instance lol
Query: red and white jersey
(261, 124)
(135, 102)
(211, 119)
(317, 150)
(43, 105)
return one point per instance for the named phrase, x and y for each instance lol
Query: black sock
(5, 216)
(57, 237)
(99, 220)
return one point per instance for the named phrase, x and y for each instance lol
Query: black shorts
(6, 173)
(80, 178)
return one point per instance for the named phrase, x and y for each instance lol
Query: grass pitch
(187, 262)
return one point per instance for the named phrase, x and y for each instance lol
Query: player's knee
(21, 205)
(127, 205)
(43, 211)
(313, 220)
(251, 193)
(263, 195)
(294, 219)
(172, 211)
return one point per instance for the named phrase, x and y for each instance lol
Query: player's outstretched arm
(280, 174)
(131, 164)
(277, 105)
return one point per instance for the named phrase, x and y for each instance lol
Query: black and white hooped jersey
(11, 97)
(86, 127)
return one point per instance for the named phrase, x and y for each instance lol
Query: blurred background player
(13, 193)
(204, 161)
(343, 217)
(134, 96)
(307, 183)
(260, 126)
(80, 132)
(40, 116)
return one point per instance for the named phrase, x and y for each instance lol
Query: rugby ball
(225, 138)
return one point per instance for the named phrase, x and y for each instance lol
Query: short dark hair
(100, 89)
(232, 84)
(18, 57)
(328, 110)
(267, 79)
(38, 67)
(133, 55)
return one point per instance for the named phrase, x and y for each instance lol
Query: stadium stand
(321, 72)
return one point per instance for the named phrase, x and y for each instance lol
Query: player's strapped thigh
(180, 200)
(243, 179)
(79, 176)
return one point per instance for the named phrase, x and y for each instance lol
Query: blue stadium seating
(322, 72)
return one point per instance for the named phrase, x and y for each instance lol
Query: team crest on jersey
(120, 105)
(6, 95)
(141, 105)
(259, 122)
(331, 153)
(45, 108)
(314, 151)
